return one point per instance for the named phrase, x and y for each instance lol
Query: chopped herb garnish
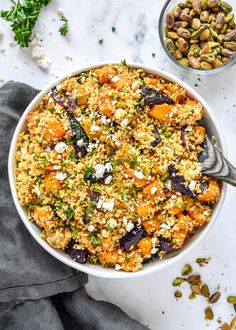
(69, 213)
(75, 231)
(90, 211)
(64, 28)
(133, 162)
(72, 155)
(100, 41)
(124, 197)
(153, 55)
(113, 29)
(123, 62)
(40, 181)
(37, 121)
(87, 173)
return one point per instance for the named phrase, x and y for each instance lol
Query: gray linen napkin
(36, 290)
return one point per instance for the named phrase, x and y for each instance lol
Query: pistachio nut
(231, 45)
(182, 5)
(204, 4)
(196, 23)
(227, 52)
(233, 323)
(208, 57)
(213, 3)
(194, 62)
(185, 11)
(182, 45)
(204, 17)
(178, 280)
(231, 299)
(228, 17)
(170, 45)
(184, 61)
(205, 35)
(225, 7)
(225, 59)
(213, 44)
(190, 53)
(209, 315)
(213, 33)
(220, 21)
(217, 63)
(184, 33)
(206, 66)
(176, 11)
(192, 13)
(197, 6)
(215, 9)
(186, 18)
(230, 35)
(173, 35)
(205, 50)
(196, 34)
(177, 54)
(182, 24)
(196, 49)
(170, 20)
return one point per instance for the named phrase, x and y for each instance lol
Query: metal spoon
(214, 164)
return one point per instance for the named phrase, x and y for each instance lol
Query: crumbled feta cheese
(119, 251)
(168, 185)
(129, 226)
(94, 128)
(60, 176)
(104, 119)
(91, 228)
(108, 167)
(108, 179)
(139, 159)
(192, 185)
(189, 129)
(154, 240)
(124, 122)
(153, 190)
(154, 250)
(115, 79)
(139, 175)
(99, 204)
(112, 223)
(164, 226)
(80, 142)
(99, 170)
(60, 147)
(37, 191)
(117, 267)
(60, 11)
(108, 205)
(48, 149)
(38, 52)
(120, 113)
(169, 149)
(56, 167)
(124, 220)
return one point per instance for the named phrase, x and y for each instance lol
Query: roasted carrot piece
(105, 74)
(87, 124)
(83, 98)
(105, 105)
(162, 112)
(212, 193)
(151, 225)
(54, 131)
(199, 134)
(154, 190)
(52, 185)
(130, 172)
(109, 258)
(145, 246)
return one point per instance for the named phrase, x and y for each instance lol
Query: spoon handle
(216, 165)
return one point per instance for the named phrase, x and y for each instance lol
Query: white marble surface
(148, 299)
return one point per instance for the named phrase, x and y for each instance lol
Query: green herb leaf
(65, 27)
(23, 17)
(124, 197)
(123, 62)
(113, 29)
(72, 155)
(87, 173)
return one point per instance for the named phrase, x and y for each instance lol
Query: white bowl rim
(100, 271)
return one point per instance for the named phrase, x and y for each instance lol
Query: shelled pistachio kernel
(178, 281)
(178, 294)
(214, 297)
(233, 323)
(187, 270)
(209, 315)
(231, 299)
(205, 291)
(225, 326)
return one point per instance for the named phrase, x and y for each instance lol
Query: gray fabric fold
(36, 290)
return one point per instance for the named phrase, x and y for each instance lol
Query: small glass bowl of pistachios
(199, 35)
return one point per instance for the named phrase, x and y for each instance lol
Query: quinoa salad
(108, 167)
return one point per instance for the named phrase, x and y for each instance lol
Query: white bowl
(96, 270)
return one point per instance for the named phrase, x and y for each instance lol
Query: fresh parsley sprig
(23, 16)
(65, 27)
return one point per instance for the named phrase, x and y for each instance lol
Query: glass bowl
(168, 6)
